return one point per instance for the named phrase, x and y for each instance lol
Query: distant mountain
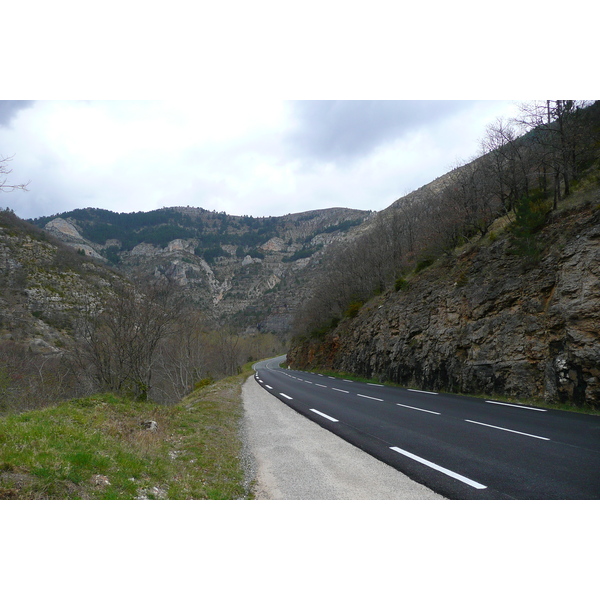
(250, 273)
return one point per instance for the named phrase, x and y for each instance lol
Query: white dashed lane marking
(427, 463)
(324, 415)
(539, 437)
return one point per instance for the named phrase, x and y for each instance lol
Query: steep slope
(249, 273)
(44, 285)
(492, 318)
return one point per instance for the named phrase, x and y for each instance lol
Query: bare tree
(182, 358)
(4, 172)
(506, 163)
(557, 130)
(121, 340)
(29, 380)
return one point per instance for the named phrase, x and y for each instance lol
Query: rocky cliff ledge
(485, 321)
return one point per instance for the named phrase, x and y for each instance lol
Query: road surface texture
(458, 446)
(296, 459)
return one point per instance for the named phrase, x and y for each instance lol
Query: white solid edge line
(539, 437)
(516, 405)
(370, 397)
(286, 396)
(466, 480)
(422, 392)
(324, 415)
(421, 409)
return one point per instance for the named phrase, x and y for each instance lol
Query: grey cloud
(347, 129)
(9, 109)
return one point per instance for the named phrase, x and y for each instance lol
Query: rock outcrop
(486, 321)
(67, 232)
(45, 285)
(243, 272)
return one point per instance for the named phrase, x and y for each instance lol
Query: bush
(530, 217)
(203, 383)
(401, 284)
(325, 329)
(353, 309)
(424, 263)
(304, 253)
(530, 214)
(211, 254)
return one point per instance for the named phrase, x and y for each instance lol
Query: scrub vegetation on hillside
(527, 169)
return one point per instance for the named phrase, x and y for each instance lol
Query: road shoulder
(295, 459)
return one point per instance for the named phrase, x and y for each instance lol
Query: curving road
(460, 447)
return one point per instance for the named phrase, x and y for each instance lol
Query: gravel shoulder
(292, 458)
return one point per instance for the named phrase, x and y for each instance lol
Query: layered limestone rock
(488, 321)
(63, 230)
(66, 232)
(274, 245)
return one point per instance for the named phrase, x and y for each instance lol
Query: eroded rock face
(274, 245)
(67, 232)
(63, 230)
(487, 322)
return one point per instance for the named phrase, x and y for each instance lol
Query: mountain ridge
(237, 269)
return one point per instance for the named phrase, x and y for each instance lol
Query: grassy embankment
(97, 448)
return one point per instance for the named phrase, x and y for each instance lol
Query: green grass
(96, 448)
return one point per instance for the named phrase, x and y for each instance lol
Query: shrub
(530, 217)
(325, 329)
(424, 263)
(203, 383)
(353, 309)
(401, 284)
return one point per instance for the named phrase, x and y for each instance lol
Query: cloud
(10, 108)
(341, 131)
(251, 157)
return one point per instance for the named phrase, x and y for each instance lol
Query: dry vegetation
(526, 173)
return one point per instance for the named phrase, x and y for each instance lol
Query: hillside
(105, 447)
(484, 281)
(155, 318)
(246, 272)
(469, 275)
(44, 285)
(491, 318)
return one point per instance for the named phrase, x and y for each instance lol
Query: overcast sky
(146, 108)
(262, 158)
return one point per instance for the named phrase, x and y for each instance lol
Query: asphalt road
(292, 458)
(460, 447)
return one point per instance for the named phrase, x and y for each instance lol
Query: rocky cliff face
(486, 321)
(260, 270)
